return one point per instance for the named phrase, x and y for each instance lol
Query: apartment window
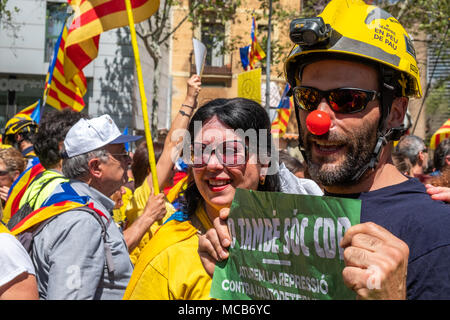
(438, 65)
(57, 14)
(211, 33)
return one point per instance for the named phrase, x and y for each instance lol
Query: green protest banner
(285, 247)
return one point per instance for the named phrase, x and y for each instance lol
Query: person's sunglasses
(121, 156)
(229, 153)
(341, 100)
(3, 172)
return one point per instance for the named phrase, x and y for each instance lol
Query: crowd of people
(81, 219)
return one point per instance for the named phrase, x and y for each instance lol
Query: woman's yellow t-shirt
(169, 267)
(135, 208)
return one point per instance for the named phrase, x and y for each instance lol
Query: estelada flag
(256, 52)
(92, 17)
(33, 111)
(441, 134)
(18, 188)
(42, 214)
(59, 93)
(62, 203)
(280, 123)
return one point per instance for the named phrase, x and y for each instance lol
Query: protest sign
(285, 247)
(200, 55)
(249, 85)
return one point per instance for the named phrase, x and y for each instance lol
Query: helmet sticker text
(386, 35)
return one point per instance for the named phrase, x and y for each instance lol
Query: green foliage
(428, 16)
(438, 100)
(280, 18)
(427, 21)
(6, 18)
(203, 13)
(5, 13)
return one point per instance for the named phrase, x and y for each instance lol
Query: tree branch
(179, 24)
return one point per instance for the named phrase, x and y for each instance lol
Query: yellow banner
(249, 85)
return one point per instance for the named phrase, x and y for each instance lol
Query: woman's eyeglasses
(341, 100)
(3, 172)
(229, 153)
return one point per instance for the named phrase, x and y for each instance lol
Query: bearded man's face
(337, 156)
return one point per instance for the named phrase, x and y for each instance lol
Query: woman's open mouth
(217, 185)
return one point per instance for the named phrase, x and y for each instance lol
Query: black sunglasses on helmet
(341, 100)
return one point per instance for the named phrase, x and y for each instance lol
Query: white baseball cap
(90, 134)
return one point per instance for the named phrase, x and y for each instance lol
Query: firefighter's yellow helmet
(354, 30)
(17, 124)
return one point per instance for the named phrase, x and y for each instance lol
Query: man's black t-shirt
(408, 212)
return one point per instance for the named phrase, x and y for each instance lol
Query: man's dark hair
(442, 150)
(53, 129)
(27, 136)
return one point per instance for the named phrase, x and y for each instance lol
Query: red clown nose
(318, 122)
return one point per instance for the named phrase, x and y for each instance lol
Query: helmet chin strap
(382, 139)
(373, 162)
(383, 135)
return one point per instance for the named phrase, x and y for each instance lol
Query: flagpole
(52, 62)
(268, 60)
(148, 135)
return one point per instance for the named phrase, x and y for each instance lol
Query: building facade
(111, 77)
(219, 78)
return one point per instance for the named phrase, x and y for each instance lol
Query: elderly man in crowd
(81, 253)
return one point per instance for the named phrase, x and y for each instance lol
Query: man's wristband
(187, 106)
(184, 113)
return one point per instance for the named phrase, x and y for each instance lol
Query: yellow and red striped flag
(279, 125)
(44, 213)
(92, 17)
(58, 92)
(256, 52)
(441, 134)
(33, 111)
(29, 110)
(18, 188)
(56, 204)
